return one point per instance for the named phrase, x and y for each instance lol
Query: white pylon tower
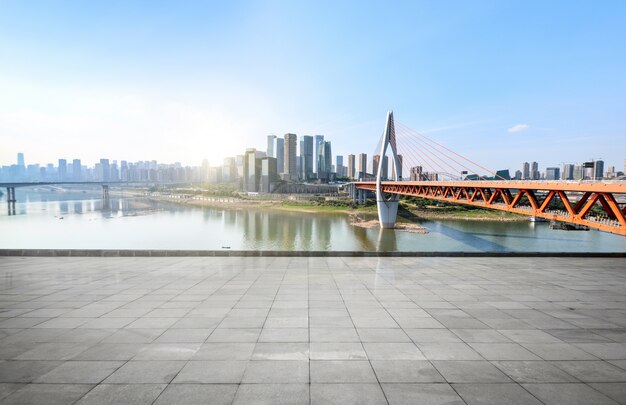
(388, 204)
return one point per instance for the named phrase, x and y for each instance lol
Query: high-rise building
(526, 171)
(306, 157)
(77, 170)
(339, 168)
(62, 171)
(276, 149)
(269, 174)
(579, 172)
(553, 173)
(290, 170)
(375, 163)
(316, 151)
(20, 159)
(105, 171)
(229, 170)
(362, 166)
(252, 171)
(534, 171)
(124, 171)
(417, 174)
(518, 175)
(351, 166)
(568, 172)
(598, 170)
(324, 161)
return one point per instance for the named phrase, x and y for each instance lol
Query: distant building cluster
(593, 170)
(308, 159)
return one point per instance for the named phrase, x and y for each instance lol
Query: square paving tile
(497, 394)
(212, 372)
(47, 394)
(197, 394)
(342, 371)
(406, 371)
(115, 394)
(272, 394)
(357, 394)
(145, 372)
(80, 372)
(277, 371)
(470, 372)
(421, 394)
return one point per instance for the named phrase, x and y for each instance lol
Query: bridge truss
(533, 198)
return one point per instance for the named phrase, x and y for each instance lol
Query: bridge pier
(11, 200)
(106, 202)
(387, 210)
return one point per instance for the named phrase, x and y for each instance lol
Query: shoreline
(279, 205)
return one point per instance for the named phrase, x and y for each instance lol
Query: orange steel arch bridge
(596, 204)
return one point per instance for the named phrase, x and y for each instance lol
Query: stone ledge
(281, 253)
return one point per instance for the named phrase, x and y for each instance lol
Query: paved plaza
(298, 330)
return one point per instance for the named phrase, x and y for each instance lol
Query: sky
(501, 82)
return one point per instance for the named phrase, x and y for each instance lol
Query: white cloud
(518, 128)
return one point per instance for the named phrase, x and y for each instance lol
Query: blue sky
(183, 81)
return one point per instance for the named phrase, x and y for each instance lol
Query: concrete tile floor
(312, 330)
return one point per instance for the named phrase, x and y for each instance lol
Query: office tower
(375, 163)
(568, 172)
(579, 172)
(271, 141)
(290, 157)
(20, 160)
(124, 174)
(229, 170)
(534, 171)
(553, 173)
(416, 173)
(598, 170)
(239, 162)
(251, 170)
(362, 165)
(518, 175)
(105, 171)
(351, 166)
(306, 157)
(339, 168)
(114, 172)
(324, 161)
(526, 171)
(62, 171)
(316, 151)
(269, 174)
(77, 170)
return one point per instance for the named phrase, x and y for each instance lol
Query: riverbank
(407, 211)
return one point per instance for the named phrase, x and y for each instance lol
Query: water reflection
(145, 224)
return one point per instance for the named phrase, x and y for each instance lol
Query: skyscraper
(339, 167)
(324, 161)
(269, 174)
(375, 163)
(306, 157)
(568, 172)
(553, 173)
(318, 139)
(351, 166)
(525, 171)
(276, 149)
(62, 172)
(362, 165)
(105, 171)
(251, 171)
(20, 159)
(77, 170)
(598, 170)
(534, 171)
(290, 157)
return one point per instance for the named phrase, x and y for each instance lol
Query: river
(80, 220)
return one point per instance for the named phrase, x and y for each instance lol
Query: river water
(80, 220)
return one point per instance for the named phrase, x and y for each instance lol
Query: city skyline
(501, 82)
